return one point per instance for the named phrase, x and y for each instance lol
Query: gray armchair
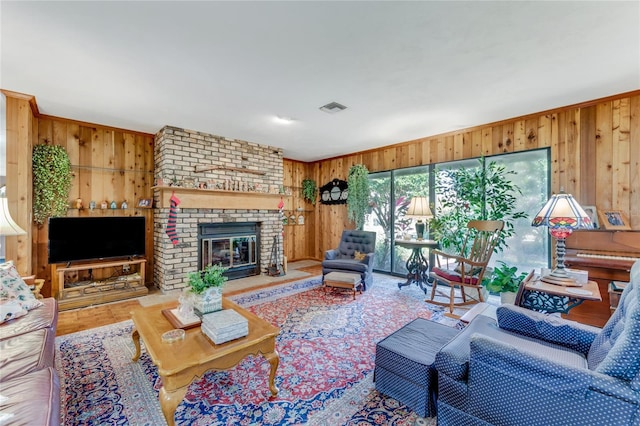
(342, 259)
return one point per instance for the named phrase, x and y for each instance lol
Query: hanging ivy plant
(51, 182)
(358, 196)
(309, 190)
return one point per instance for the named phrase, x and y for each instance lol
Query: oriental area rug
(327, 354)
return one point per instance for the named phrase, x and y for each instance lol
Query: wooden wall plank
(634, 162)
(621, 116)
(604, 147)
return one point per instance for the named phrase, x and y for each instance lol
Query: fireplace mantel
(193, 198)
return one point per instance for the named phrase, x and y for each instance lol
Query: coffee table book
(178, 321)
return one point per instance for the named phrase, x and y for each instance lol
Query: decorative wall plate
(334, 192)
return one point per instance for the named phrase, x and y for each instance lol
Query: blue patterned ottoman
(404, 364)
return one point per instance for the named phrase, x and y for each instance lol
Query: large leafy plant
(358, 195)
(51, 182)
(504, 279)
(211, 276)
(480, 193)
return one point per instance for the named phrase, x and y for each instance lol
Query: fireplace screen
(231, 252)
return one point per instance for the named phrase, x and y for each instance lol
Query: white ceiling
(405, 70)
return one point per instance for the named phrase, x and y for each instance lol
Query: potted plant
(206, 288)
(503, 280)
(51, 182)
(358, 194)
(309, 190)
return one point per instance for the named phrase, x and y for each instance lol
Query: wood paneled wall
(108, 165)
(300, 241)
(595, 155)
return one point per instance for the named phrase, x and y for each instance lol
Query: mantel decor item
(51, 182)
(206, 288)
(562, 214)
(359, 194)
(419, 209)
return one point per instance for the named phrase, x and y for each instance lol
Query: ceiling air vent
(332, 108)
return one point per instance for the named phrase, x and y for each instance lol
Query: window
(391, 192)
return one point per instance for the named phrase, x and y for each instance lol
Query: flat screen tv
(91, 238)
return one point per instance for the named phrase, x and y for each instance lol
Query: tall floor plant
(482, 193)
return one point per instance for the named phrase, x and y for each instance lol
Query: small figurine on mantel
(114, 205)
(104, 204)
(124, 205)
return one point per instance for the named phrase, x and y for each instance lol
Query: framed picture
(613, 219)
(593, 215)
(145, 203)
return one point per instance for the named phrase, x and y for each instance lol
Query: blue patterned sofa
(535, 369)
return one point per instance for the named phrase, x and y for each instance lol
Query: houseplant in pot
(505, 281)
(206, 288)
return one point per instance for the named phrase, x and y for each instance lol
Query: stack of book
(224, 325)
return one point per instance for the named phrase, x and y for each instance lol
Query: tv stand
(76, 292)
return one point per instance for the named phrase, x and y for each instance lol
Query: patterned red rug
(327, 353)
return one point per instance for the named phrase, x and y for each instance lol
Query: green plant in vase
(358, 194)
(206, 287)
(504, 279)
(51, 182)
(309, 190)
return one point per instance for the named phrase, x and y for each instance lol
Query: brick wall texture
(177, 153)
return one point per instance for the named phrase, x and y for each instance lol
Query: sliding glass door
(392, 191)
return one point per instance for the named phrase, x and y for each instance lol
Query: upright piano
(606, 256)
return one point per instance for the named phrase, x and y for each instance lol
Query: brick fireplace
(242, 183)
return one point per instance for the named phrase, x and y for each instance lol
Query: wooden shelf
(201, 169)
(194, 198)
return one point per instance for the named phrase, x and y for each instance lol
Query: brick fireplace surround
(177, 154)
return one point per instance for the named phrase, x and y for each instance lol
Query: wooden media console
(75, 291)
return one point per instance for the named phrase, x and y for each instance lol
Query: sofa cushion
(45, 316)
(453, 359)
(12, 282)
(33, 399)
(11, 309)
(345, 264)
(20, 355)
(547, 327)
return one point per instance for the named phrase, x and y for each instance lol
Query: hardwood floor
(96, 316)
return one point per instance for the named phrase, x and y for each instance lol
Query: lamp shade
(562, 213)
(419, 207)
(7, 225)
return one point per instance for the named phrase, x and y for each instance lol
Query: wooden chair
(466, 270)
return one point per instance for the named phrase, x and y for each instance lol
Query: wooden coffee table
(180, 362)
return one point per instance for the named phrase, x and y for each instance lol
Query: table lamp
(7, 225)
(419, 208)
(562, 214)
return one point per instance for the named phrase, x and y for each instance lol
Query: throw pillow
(11, 309)
(359, 256)
(10, 279)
